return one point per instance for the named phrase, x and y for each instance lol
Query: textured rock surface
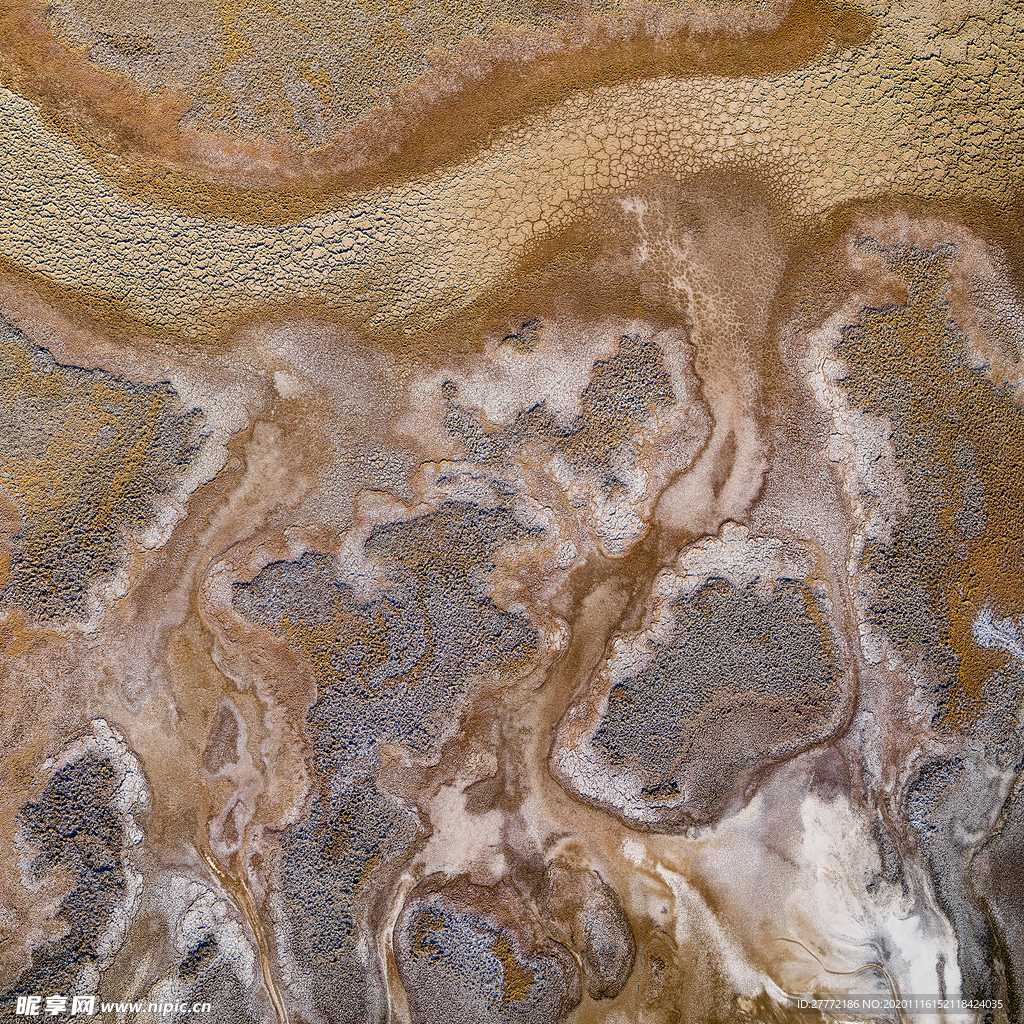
(467, 953)
(736, 669)
(510, 513)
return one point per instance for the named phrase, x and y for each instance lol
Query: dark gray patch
(404, 659)
(958, 439)
(326, 884)
(468, 955)
(741, 681)
(213, 979)
(136, 446)
(74, 829)
(623, 393)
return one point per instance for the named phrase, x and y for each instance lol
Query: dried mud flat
(511, 513)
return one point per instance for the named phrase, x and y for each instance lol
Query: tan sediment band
(888, 117)
(138, 142)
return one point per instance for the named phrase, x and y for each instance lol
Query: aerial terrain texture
(512, 511)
